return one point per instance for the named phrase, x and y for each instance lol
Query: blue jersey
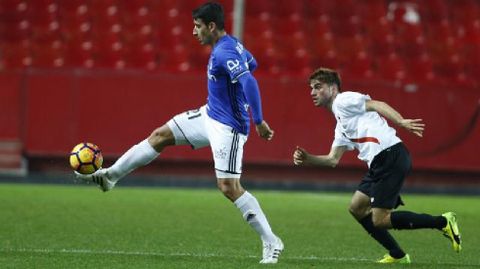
(227, 102)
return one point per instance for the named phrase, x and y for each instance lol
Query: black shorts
(385, 177)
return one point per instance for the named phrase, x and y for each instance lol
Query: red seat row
(420, 40)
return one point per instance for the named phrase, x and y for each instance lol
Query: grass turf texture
(49, 226)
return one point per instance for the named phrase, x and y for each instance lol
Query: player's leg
(253, 214)
(361, 211)
(137, 156)
(248, 206)
(406, 220)
(227, 149)
(386, 195)
(142, 153)
(184, 128)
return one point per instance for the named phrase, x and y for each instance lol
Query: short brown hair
(210, 12)
(327, 76)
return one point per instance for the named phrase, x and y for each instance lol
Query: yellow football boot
(389, 259)
(451, 231)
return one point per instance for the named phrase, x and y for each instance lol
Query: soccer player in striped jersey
(361, 126)
(223, 124)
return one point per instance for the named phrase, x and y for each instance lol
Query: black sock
(410, 220)
(383, 237)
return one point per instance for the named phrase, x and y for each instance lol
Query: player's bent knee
(231, 188)
(358, 211)
(378, 223)
(161, 137)
(381, 221)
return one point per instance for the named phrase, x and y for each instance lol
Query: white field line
(160, 254)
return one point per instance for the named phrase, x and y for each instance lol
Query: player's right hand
(264, 131)
(300, 156)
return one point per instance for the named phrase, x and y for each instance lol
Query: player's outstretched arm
(415, 126)
(302, 157)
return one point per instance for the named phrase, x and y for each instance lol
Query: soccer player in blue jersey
(223, 123)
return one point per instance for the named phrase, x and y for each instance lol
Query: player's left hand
(264, 131)
(415, 126)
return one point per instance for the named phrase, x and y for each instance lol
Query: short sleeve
(341, 140)
(351, 104)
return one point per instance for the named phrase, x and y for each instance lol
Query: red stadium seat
(257, 7)
(381, 38)
(452, 68)
(80, 54)
(464, 11)
(258, 25)
(439, 31)
(285, 8)
(105, 18)
(360, 66)
(326, 59)
(323, 42)
(348, 27)
(199, 56)
(114, 57)
(268, 57)
(343, 10)
(72, 17)
(317, 8)
(17, 55)
(134, 5)
(349, 47)
(298, 62)
(433, 10)
(15, 10)
(372, 11)
(391, 67)
(140, 17)
(409, 39)
(471, 34)
(17, 31)
(143, 56)
(420, 69)
(49, 55)
(290, 24)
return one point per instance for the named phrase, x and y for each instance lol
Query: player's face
(321, 93)
(202, 32)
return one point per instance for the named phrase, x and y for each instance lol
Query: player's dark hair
(327, 76)
(210, 12)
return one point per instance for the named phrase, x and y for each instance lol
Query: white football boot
(271, 251)
(101, 177)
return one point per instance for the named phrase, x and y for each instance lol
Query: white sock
(139, 155)
(254, 215)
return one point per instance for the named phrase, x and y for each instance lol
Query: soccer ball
(86, 158)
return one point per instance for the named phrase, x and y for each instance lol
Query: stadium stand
(421, 40)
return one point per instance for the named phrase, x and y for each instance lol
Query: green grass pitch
(76, 226)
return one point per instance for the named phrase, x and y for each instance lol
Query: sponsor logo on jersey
(234, 66)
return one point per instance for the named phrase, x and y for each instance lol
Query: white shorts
(197, 129)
